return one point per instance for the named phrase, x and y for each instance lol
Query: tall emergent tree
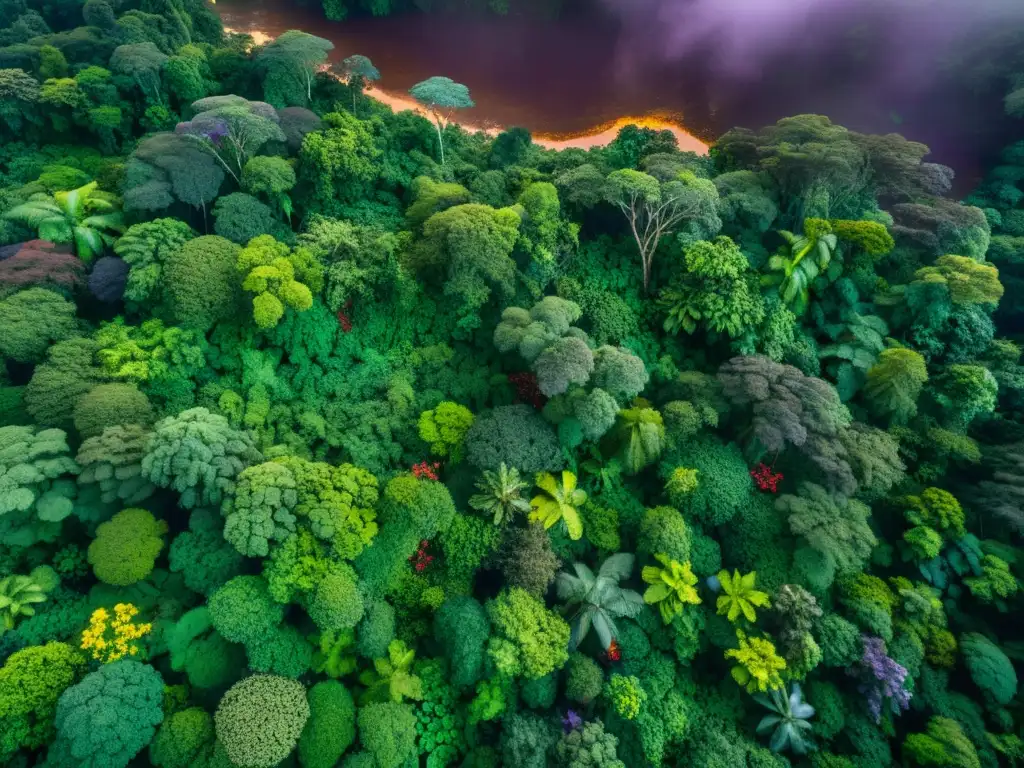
(141, 62)
(599, 600)
(356, 71)
(232, 129)
(441, 96)
(653, 209)
(291, 60)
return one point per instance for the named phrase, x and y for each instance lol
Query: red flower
(429, 471)
(614, 652)
(766, 479)
(420, 560)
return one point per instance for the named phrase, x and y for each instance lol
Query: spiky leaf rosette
(672, 586)
(558, 502)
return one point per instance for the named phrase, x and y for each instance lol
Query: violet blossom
(571, 721)
(211, 130)
(882, 678)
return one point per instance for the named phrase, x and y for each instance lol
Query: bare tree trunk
(440, 141)
(648, 224)
(640, 246)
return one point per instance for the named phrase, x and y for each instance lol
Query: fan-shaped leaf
(617, 567)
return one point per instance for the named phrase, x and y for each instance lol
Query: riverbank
(596, 136)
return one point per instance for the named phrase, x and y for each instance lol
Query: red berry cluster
(421, 559)
(613, 652)
(527, 390)
(766, 479)
(343, 318)
(423, 469)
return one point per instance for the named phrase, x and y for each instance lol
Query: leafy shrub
(260, 720)
(126, 547)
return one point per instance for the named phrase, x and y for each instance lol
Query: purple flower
(882, 678)
(217, 132)
(212, 130)
(571, 721)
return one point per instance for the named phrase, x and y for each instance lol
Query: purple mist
(739, 35)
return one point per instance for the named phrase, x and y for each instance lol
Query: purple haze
(923, 68)
(741, 35)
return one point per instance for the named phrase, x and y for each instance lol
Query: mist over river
(575, 80)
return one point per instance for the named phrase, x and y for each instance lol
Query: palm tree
(672, 586)
(392, 678)
(501, 494)
(19, 594)
(799, 263)
(79, 217)
(640, 434)
(740, 596)
(600, 599)
(787, 721)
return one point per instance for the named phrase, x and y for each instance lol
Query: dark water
(570, 75)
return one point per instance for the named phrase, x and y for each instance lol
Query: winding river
(571, 83)
(520, 72)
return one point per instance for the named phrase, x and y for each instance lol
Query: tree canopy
(334, 436)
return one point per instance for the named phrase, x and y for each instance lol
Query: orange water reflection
(596, 136)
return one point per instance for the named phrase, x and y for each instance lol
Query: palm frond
(570, 588)
(585, 574)
(88, 243)
(32, 213)
(73, 201)
(55, 230)
(113, 221)
(623, 602)
(580, 627)
(97, 205)
(605, 627)
(617, 567)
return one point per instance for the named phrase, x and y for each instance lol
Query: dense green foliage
(333, 436)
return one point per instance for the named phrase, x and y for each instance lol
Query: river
(520, 72)
(565, 81)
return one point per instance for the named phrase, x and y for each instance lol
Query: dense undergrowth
(316, 451)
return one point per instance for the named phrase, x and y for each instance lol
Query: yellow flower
(116, 640)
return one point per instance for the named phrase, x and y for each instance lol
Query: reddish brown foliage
(527, 390)
(41, 263)
(343, 319)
